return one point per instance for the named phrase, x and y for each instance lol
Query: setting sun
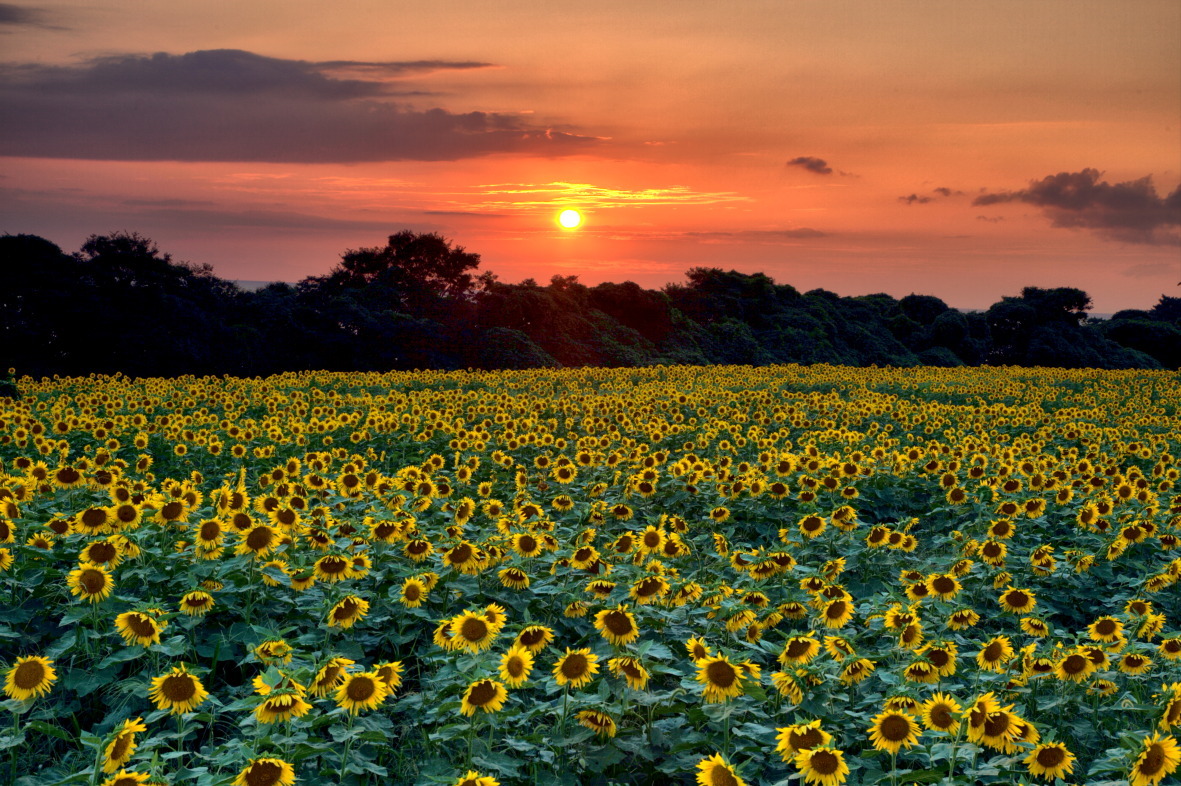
(570, 219)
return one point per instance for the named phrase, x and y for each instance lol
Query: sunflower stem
(13, 754)
(348, 743)
(471, 736)
(894, 768)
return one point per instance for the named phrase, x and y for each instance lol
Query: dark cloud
(917, 199)
(14, 15)
(230, 105)
(812, 164)
(1131, 211)
(991, 219)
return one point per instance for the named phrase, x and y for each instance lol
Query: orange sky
(963, 150)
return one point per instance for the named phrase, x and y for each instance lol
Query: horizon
(960, 151)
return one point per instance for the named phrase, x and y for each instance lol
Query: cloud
(760, 235)
(1131, 212)
(812, 164)
(531, 196)
(942, 191)
(14, 15)
(1151, 270)
(231, 105)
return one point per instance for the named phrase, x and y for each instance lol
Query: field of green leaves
(727, 575)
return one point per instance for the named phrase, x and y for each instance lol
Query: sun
(570, 218)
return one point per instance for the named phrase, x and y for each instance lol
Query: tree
(410, 267)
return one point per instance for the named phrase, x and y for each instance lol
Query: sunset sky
(958, 149)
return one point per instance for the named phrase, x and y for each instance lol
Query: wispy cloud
(1131, 212)
(12, 15)
(935, 193)
(231, 105)
(529, 196)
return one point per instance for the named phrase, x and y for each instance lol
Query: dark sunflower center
(806, 740)
(346, 610)
(824, 762)
(939, 658)
(721, 674)
(29, 675)
(1074, 664)
(941, 716)
(1154, 760)
(943, 585)
(258, 539)
(172, 510)
(210, 530)
(895, 728)
(361, 689)
(997, 724)
(994, 651)
(94, 517)
(1050, 757)
(473, 629)
(119, 747)
(527, 543)
(101, 552)
(720, 776)
(141, 626)
(482, 693)
(1018, 599)
(574, 665)
(92, 581)
(797, 648)
(412, 592)
(461, 553)
(264, 773)
(333, 565)
(836, 609)
(648, 587)
(618, 623)
(178, 688)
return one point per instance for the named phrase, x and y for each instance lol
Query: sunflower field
(672, 575)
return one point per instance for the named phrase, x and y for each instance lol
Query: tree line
(119, 304)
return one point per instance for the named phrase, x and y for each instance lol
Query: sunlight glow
(570, 219)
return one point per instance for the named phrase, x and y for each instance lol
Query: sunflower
(266, 772)
(799, 650)
(514, 578)
(1158, 759)
(715, 771)
(722, 680)
(118, 752)
(837, 613)
(576, 668)
(332, 568)
(473, 632)
(1035, 627)
(29, 677)
(274, 651)
(790, 740)
(941, 713)
(126, 778)
(995, 654)
(697, 649)
(630, 670)
(390, 673)
(178, 691)
(943, 586)
(856, 671)
(617, 626)
(1074, 667)
(824, 766)
(599, 722)
(486, 695)
(90, 582)
(892, 730)
(516, 665)
(362, 691)
(473, 778)
(138, 628)
(281, 707)
(1050, 760)
(1134, 663)
(413, 593)
(535, 638)
(347, 611)
(964, 618)
(330, 676)
(196, 603)
(649, 590)
(1017, 601)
